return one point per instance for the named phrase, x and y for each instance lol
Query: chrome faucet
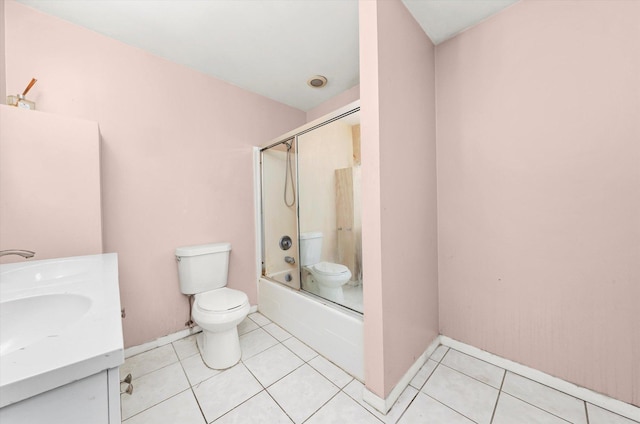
(289, 260)
(24, 253)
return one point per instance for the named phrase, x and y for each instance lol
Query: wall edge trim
(384, 405)
(619, 407)
(169, 338)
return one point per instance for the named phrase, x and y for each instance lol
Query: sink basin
(28, 320)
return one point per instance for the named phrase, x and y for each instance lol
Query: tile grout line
(441, 403)
(419, 390)
(264, 388)
(316, 355)
(279, 406)
(321, 406)
(472, 377)
(193, 393)
(449, 407)
(586, 411)
(408, 405)
(495, 407)
(539, 407)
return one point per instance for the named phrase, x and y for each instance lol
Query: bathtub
(334, 332)
(59, 324)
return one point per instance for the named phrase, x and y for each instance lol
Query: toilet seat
(330, 269)
(221, 300)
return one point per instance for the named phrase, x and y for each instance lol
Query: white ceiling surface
(269, 47)
(443, 19)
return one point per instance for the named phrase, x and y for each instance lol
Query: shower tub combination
(301, 193)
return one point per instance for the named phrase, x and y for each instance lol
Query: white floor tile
(254, 342)
(148, 361)
(246, 325)
(551, 400)
(223, 392)
(425, 409)
(277, 332)
(480, 370)
(451, 388)
(439, 353)
(186, 347)
(302, 350)
(260, 409)
(259, 319)
(302, 393)
(598, 415)
(354, 389)
(511, 410)
(332, 372)
(196, 369)
(423, 374)
(342, 409)
(272, 364)
(181, 408)
(153, 388)
(464, 394)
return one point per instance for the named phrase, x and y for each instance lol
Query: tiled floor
(281, 380)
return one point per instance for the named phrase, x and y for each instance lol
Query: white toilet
(217, 310)
(329, 277)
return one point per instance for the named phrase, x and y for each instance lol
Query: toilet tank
(310, 248)
(203, 267)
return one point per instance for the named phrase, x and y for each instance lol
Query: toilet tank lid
(310, 235)
(203, 249)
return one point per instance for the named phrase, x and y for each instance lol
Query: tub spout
(289, 260)
(24, 253)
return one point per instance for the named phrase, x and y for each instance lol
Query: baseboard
(384, 405)
(170, 338)
(619, 407)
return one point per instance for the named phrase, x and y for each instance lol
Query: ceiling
(270, 47)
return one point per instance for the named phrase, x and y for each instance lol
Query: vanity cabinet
(94, 399)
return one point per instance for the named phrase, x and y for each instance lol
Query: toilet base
(335, 294)
(221, 350)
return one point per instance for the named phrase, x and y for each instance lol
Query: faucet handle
(24, 253)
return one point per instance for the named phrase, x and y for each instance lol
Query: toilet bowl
(327, 277)
(216, 309)
(330, 278)
(218, 312)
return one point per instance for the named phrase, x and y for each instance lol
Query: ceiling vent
(317, 81)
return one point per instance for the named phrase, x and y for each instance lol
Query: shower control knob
(285, 243)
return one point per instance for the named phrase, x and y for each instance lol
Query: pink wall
(3, 82)
(49, 185)
(177, 155)
(539, 190)
(334, 103)
(399, 180)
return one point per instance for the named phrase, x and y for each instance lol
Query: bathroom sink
(28, 320)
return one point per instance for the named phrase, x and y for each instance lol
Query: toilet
(329, 277)
(218, 310)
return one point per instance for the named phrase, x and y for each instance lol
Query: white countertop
(89, 345)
